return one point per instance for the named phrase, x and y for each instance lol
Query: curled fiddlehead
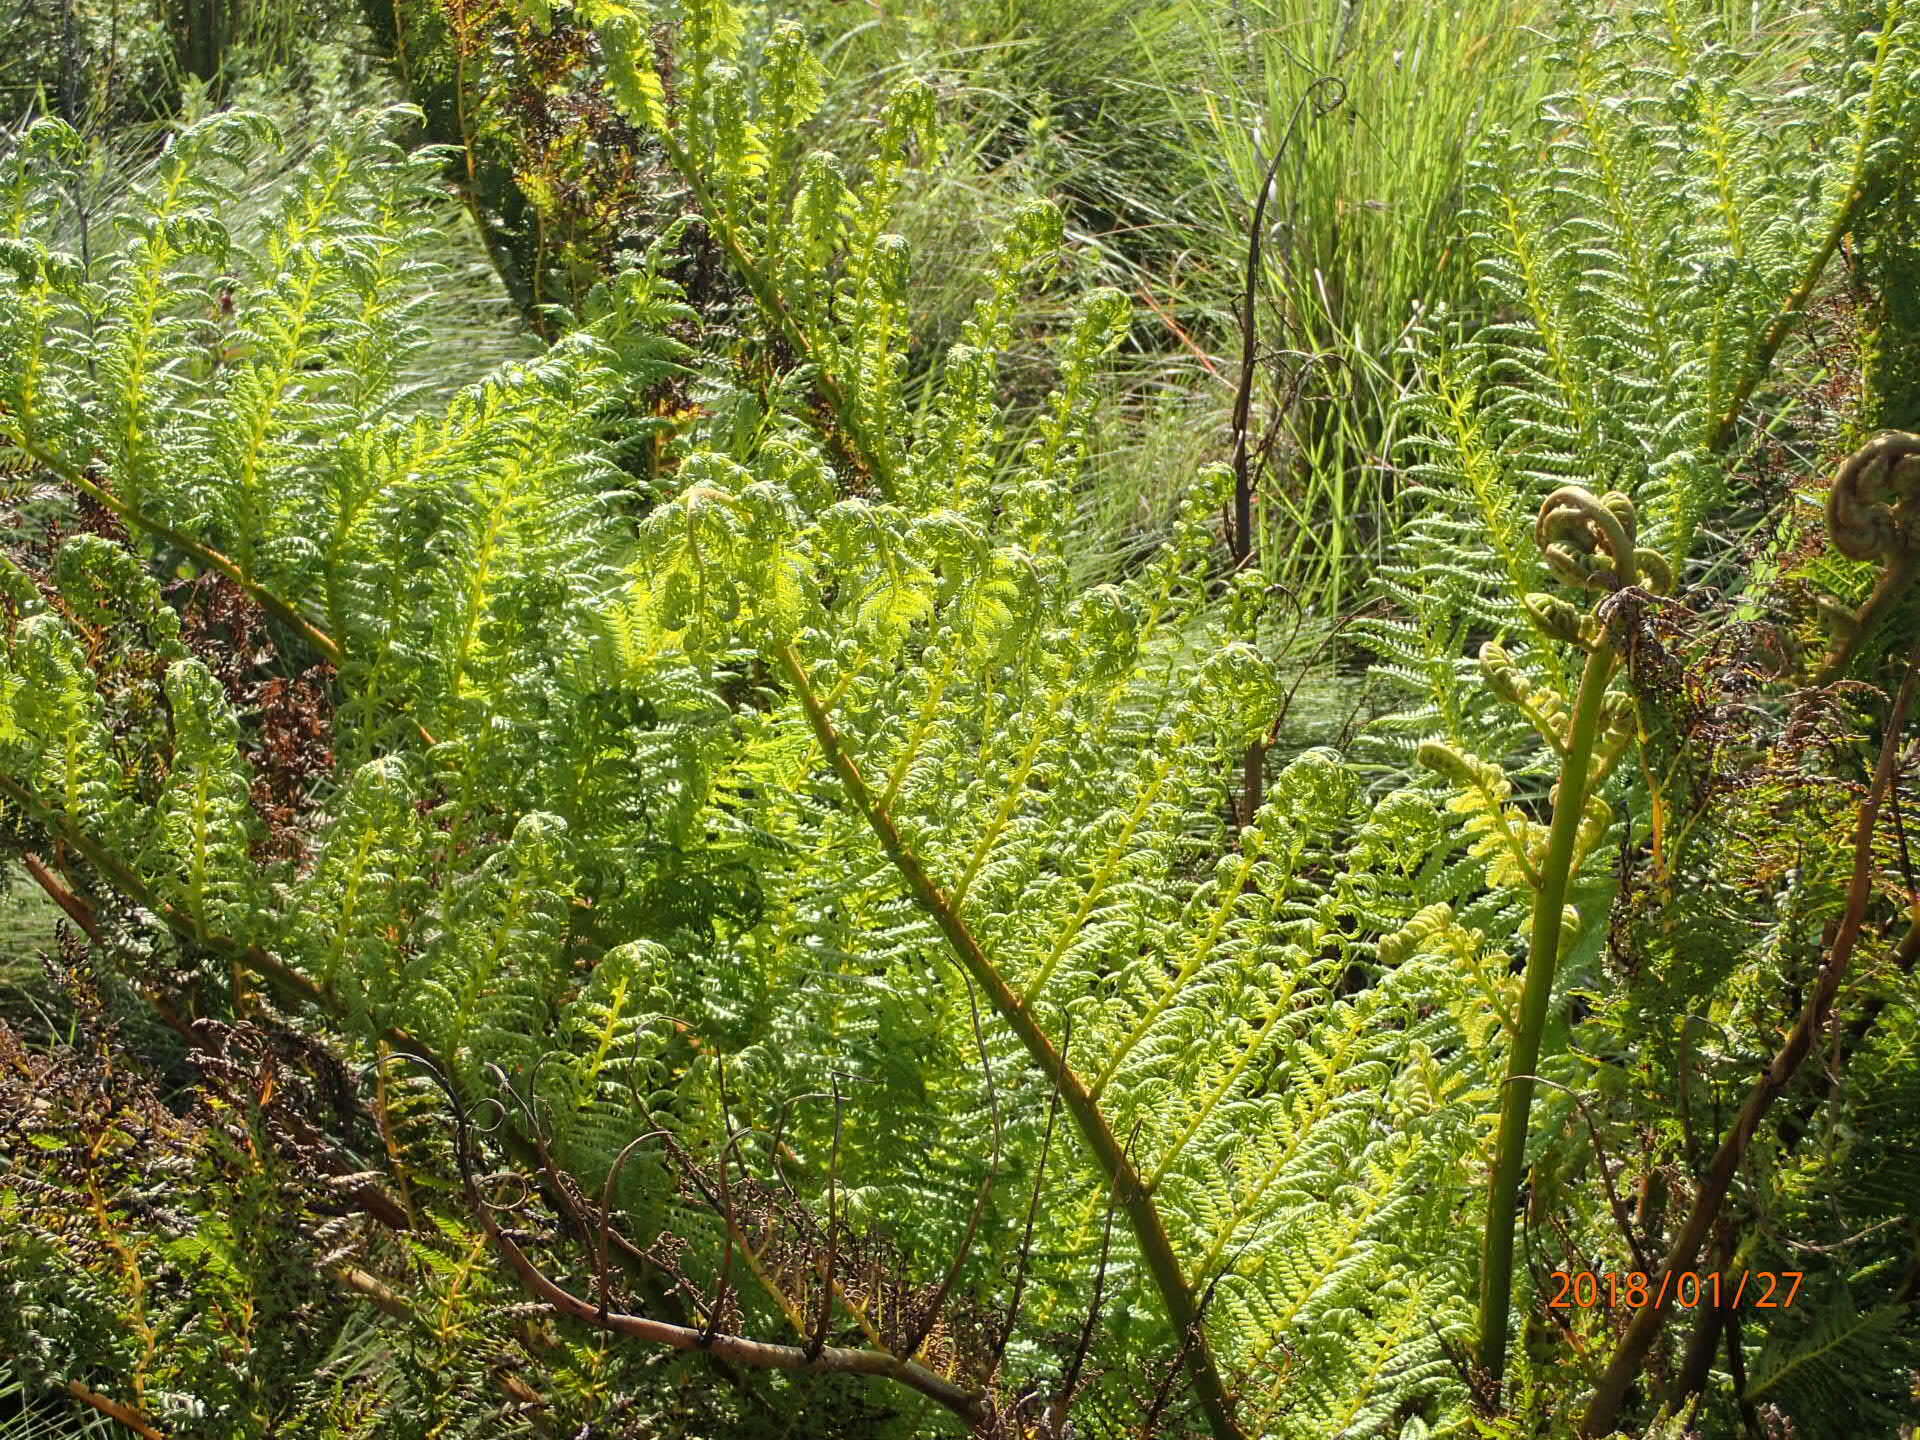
(1873, 513)
(1589, 542)
(1558, 620)
(1864, 525)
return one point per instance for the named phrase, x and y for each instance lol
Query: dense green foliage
(667, 885)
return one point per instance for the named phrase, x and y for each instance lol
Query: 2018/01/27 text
(1688, 1290)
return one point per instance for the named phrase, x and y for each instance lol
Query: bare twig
(1621, 1217)
(373, 1289)
(1164, 1391)
(1326, 93)
(1339, 627)
(1070, 1382)
(819, 1341)
(1033, 1204)
(969, 1405)
(605, 1229)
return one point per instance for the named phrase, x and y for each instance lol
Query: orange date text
(1686, 1290)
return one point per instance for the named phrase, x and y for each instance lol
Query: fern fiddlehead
(1588, 541)
(1873, 513)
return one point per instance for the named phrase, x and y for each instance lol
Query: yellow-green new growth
(1588, 542)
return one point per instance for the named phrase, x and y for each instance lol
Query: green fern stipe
(1543, 948)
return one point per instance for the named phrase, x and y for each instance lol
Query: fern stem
(1278, 1009)
(290, 983)
(1781, 326)
(114, 1410)
(1497, 812)
(1016, 788)
(1124, 1180)
(922, 724)
(1203, 948)
(1624, 1365)
(1543, 950)
(205, 554)
(1097, 885)
(295, 988)
(1902, 570)
(841, 427)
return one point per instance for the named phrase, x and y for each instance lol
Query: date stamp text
(1688, 1290)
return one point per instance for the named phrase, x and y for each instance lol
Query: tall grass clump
(1152, 123)
(1363, 117)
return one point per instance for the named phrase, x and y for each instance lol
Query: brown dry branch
(298, 991)
(1647, 1323)
(968, 1404)
(77, 910)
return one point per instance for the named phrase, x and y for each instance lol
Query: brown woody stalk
(969, 1405)
(114, 1410)
(1646, 1325)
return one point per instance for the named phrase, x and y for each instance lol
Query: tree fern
(779, 910)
